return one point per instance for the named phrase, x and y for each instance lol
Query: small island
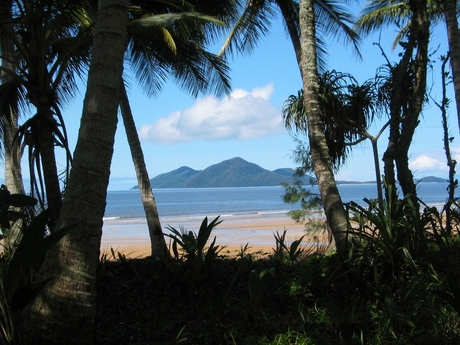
(237, 172)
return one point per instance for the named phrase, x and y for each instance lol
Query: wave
(110, 218)
(272, 212)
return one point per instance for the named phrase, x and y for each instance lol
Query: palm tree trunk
(13, 177)
(64, 311)
(332, 202)
(453, 37)
(12, 152)
(157, 241)
(11, 149)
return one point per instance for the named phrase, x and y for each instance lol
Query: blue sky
(177, 130)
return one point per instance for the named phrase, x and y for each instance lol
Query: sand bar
(256, 230)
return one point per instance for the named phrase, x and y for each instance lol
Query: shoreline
(257, 230)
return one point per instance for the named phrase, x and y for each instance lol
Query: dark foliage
(317, 299)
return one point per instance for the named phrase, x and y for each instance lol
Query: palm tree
(155, 51)
(84, 201)
(9, 118)
(256, 17)
(303, 20)
(172, 48)
(320, 156)
(9, 123)
(158, 245)
(64, 311)
(46, 36)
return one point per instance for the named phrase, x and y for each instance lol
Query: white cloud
(242, 115)
(426, 163)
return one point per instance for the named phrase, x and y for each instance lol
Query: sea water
(188, 206)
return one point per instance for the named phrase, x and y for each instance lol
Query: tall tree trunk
(421, 33)
(388, 157)
(13, 177)
(332, 202)
(12, 152)
(157, 241)
(11, 149)
(409, 88)
(64, 311)
(12, 155)
(453, 37)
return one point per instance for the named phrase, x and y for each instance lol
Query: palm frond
(52, 40)
(72, 59)
(150, 74)
(256, 17)
(383, 13)
(191, 65)
(143, 25)
(294, 113)
(380, 14)
(334, 19)
(253, 23)
(13, 96)
(215, 71)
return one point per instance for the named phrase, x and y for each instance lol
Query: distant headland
(237, 172)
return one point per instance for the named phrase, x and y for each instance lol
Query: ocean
(186, 207)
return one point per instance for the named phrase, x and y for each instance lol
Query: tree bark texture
(64, 311)
(332, 202)
(11, 149)
(12, 152)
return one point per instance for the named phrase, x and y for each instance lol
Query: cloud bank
(242, 115)
(425, 163)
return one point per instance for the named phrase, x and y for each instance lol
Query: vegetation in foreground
(399, 285)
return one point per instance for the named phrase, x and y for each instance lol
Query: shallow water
(239, 208)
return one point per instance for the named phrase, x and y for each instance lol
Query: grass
(316, 299)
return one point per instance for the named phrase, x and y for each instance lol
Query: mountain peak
(432, 179)
(234, 172)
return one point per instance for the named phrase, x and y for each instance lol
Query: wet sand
(256, 230)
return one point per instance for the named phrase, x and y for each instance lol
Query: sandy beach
(256, 230)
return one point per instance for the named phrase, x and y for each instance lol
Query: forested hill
(235, 172)
(432, 179)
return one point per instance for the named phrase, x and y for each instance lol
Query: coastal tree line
(47, 45)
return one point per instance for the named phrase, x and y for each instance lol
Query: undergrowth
(397, 286)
